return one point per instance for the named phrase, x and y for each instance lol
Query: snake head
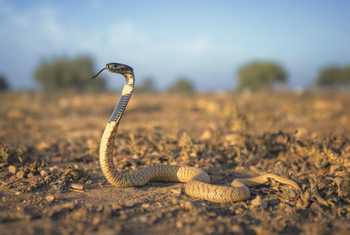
(119, 68)
(122, 69)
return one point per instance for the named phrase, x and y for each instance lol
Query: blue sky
(205, 40)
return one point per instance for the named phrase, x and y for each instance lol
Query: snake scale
(197, 181)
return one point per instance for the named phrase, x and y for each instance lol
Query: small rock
(143, 219)
(176, 192)
(301, 132)
(179, 224)
(237, 229)
(77, 187)
(43, 173)
(256, 201)
(12, 169)
(50, 198)
(96, 220)
(206, 135)
(42, 145)
(116, 206)
(99, 208)
(61, 209)
(20, 174)
(129, 204)
(235, 139)
(187, 205)
(53, 168)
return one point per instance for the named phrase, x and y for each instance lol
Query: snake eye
(112, 67)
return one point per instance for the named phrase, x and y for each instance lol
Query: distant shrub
(148, 85)
(333, 76)
(260, 75)
(182, 86)
(4, 86)
(68, 73)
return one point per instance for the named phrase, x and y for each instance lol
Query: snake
(196, 181)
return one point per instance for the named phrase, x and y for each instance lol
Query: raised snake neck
(197, 181)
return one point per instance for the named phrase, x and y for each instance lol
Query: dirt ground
(51, 183)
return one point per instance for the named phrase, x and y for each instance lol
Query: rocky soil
(51, 183)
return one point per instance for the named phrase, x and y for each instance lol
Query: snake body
(197, 181)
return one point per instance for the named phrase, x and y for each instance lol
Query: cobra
(196, 181)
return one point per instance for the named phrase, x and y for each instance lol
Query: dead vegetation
(50, 181)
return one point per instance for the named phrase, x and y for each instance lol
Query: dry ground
(50, 181)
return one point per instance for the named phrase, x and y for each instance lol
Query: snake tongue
(99, 72)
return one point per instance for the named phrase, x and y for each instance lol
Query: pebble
(61, 208)
(53, 168)
(235, 139)
(177, 192)
(20, 174)
(256, 201)
(206, 135)
(12, 169)
(179, 224)
(116, 206)
(129, 203)
(143, 219)
(237, 229)
(99, 208)
(50, 198)
(43, 173)
(96, 220)
(42, 145)
(78, 187)
(187, 205)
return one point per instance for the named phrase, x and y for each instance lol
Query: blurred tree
(68, 73)
(4, 86)
(260, 75)
(346, 75)
(148, 85)
(183, 86)
(333, 77)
